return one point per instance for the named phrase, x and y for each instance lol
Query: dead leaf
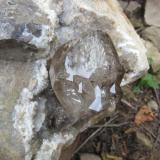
(144, 114)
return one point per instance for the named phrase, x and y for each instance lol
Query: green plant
(147, 81)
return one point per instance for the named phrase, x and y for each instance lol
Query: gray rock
(14, 76)
(133, 5)
(21, 120)
(153, 55)
(152, 12)
(134, 12)
(153, 105)
(24, 30)
(152, 34)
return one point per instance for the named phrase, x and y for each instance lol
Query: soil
(119, 137)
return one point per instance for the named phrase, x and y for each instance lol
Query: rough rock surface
(152, 13)
(24, 31)
(153, 55)
(134, 12)
(152, 34)
(12, 81)
(31, 31)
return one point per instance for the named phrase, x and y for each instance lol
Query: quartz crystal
(85, 75)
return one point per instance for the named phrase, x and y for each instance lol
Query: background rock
(152, 13)
(152, 34)
(153, 55)
(153, 105)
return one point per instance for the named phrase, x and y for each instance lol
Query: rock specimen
(152, 12)
(84, 75)
(31, 32)
(81, 17)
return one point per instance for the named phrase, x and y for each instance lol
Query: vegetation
(147, 81)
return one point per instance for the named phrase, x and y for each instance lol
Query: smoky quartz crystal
(86, 74)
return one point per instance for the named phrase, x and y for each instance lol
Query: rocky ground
(134, 132)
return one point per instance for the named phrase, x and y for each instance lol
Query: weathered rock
(14, 76)
(153, 55)
(153, 105)
(132, 6)
(123, 4)
(29, 113)
(86, 156)
(134, 12)
(12, 80)
(152, 34)
(84, 75)
(24, 31)
(152, 12)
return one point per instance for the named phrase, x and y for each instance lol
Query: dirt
(119, 138)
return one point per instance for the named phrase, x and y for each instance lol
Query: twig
(149, 131)
(95, 132)
(157, 96)
(110, 125)
(157, 138)
(128, 104)
(158, 135)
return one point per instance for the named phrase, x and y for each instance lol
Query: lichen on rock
(29, 113)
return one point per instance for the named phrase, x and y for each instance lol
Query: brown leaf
(144, 114)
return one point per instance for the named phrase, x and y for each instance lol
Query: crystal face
(85, 74)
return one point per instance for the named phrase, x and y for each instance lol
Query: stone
(16, 123)
(152, 12)
(23, 38)
(85, 75)
(86, 156)
(123, 4)
(153, 105)
(152, 34)
(12, 80)
(133, 5)
(153, 55)
(134, 12)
